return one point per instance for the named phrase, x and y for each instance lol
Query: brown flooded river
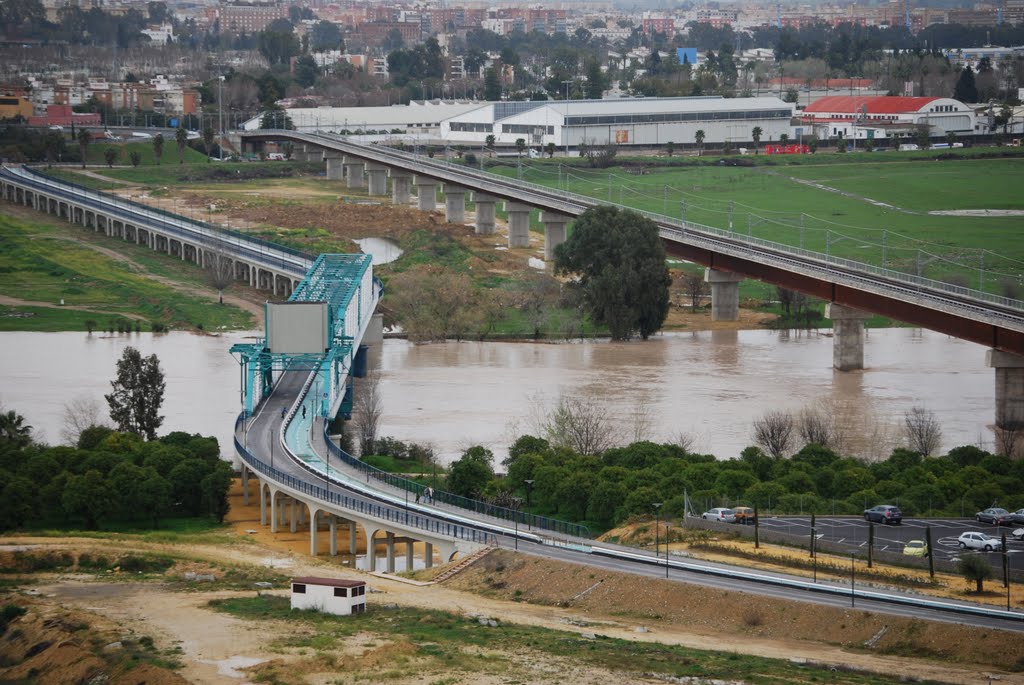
(710, 386)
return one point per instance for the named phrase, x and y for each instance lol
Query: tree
(208, 137)
(470, 474)
(699, 137)
(367, 409)
(14, 431)
(670, 148)
(923, 431)
(278, 46)
(975, 568)
(87, 496)
(110, 156)
(492, 86)
(695, 288)
(306, 71)
(158, 147)
(326, 36)
(595, 81)
(580, 424)
(181, 139)
(220, 271)
(550, 149)
(489, 143)
(134, 157)
(620, 260)
(756, 136)
(84, 138)
(966, 90)
(138, 392)
(520, 146)
(80, 414)
(214, 488)
(774, 432)
(783, 138)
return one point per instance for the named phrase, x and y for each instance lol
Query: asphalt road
(853, 533)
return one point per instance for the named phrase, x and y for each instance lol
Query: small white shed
(330, 595)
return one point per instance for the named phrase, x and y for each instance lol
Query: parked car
(995, 516)
(916, 548)
(1017, 517)
(884, 513)
(719, 514)
(975, 540)
(743, 514)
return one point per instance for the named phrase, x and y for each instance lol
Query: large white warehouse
(625, 121)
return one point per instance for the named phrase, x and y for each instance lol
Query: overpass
(853, 290)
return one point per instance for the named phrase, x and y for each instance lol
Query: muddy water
(710, 386)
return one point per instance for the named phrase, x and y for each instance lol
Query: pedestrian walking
(303, 411)
(283, 411)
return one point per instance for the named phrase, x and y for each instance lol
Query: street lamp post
(529, 489)
(657, 524)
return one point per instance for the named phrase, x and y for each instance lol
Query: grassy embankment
(441, 642)
(45, 260)
(98, 147)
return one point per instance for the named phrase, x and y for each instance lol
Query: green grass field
(98, 146)
(833, 206)
(42, 260)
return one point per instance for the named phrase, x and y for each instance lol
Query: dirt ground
(514, 588)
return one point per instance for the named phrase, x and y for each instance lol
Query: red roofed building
(883, 116)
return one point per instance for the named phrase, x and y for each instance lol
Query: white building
(624, 121)
(329, 595)
(883, 116)
(418, 117)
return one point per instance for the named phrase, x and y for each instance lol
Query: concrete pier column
(335, 170)
(374, 334)
(390, 552)
(401, 185)
(554, 232)
(273, 512)
(245, 485)
(378, 179)
(371, 550)
(725, 294)
(333, 525)
(518, 224)
(1009, 388)
(314, 526)
(847, 336)
(426, 193)
(408, 555)
(352, 537)
(428, 555)
(263, 505)
(454, 204)
(484, 213)
(292, 524)
(302, 516)
(354, 172)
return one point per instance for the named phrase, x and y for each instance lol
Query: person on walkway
(284, 410)
(303, 411)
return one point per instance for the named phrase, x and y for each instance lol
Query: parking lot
(853, 534)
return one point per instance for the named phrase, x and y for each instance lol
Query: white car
(719, 514)
(980, 541)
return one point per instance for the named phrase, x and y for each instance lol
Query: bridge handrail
(373, 509)
(689, 229)
(483, 508)
(146, 209)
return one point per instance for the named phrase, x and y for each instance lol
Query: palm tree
(489, 142)
(783, 138)
(756, 135)
(208, 141)
(13, 429)
(181, 138)
(699, 137)
(158, 147)
(84, 138)
(520, 146)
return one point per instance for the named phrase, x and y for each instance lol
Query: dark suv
(884, 513)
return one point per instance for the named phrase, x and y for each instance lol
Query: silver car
(719, 514)
(975, 540)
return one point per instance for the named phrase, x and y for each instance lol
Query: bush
(139, 564)
(8, 613)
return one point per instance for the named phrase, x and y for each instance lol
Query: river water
(710, 386)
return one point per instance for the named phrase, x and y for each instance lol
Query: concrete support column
(352, 549)
(378, 179)
(390, 552)
(263, 505)
(454, 204)
(314, 525)
(426, 194)
(428, 555)
(847, 336)
(354, 172)
(335, 171)
(245, 485)
(371, 551)
(554, 232)
(1009, 388)
(725, 294)
(292, 517)
(401, 184)
(273, 511)
(484, 213)
(333, 525)
(408, 555)
(518, 224)
(302, 516)
(283, 511)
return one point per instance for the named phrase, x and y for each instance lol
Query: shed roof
(658, 105)
(329, 582)
(878, 104)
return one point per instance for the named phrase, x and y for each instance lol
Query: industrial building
(881, 117)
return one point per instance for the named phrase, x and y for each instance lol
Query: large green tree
(138, 392)
(471, 473)
(621, 264)
(326, 35)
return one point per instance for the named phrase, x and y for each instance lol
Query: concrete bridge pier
(334, 161)
(847, 336)
(426, 193)
(428, 555)
(485, 205)
(554, 232)
(408, 555)
(354, 172)
(401, 185)
(332, 527)
(725, 294)
(390, 552)
(1009, 388)
(378, 179)
(518, 224)
(454, 204)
